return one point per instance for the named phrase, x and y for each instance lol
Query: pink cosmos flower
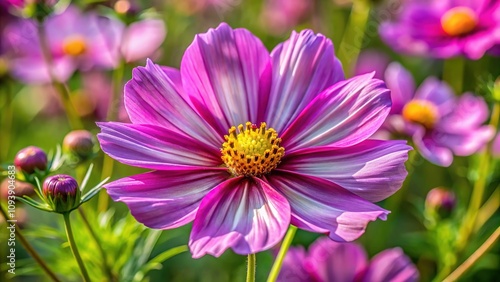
(439, 123)
(75, 40)
(79, 41)
(445, 28)
(372, 60)
(282, 15)
(245, 143)
(329, 261)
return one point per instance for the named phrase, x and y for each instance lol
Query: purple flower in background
(75, 40)
(439, 123)
(281, 15)
(445, 28)
(244, 143)
(329, 261)
(372, 61)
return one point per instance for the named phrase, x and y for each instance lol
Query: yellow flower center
(74, 45)
(459, 21)
(421, 112)
(252, 151)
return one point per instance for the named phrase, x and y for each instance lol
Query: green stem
(114, 102)
(352, 41)
(60, 88)
(7, 115)
(455, 275)
(287, 241)
(74, 249)
(251, 268)
(453, 73)
(105, 265)
(31, 251)
(112, 115)
(479, 186)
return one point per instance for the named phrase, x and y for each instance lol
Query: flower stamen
(253, 150)
(422, 112)
(459, 21)
(74, 45)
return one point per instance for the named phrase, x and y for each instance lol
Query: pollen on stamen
(251, 150)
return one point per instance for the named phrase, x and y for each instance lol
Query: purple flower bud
(31, 158)
(440, 201)
(79, 143)
(61, 192)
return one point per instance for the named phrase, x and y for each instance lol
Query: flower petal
(142, 38)
(332, 261)
(154, 96)
(226, 74)
(343, 115)
(319, 205)
(303, 67)
(154, 147)
(432, 151)
(293, 268)
(372, 169)
(401, 84)
(391, 265)
(469, 112)
(241, 213)
(165, 199)
(437, 92)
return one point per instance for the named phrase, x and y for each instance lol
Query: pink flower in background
(245, 142)
(439, 123)
(329, 261)
(372, 60)
(75, 40)
(280, 16)
(495, 148)
(445, 28)
(137, 41)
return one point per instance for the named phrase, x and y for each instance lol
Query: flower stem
(455, 275)
(479, 186)
(31, 251)
(251, 268)
(453, 73)
(352, 41)
(60, 87)
(105, 265)
(287, 241)
(74, 249)
(7, 115)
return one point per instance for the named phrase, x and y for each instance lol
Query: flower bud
(440, 201)
(19, 188)
(79, 143)
(61, 192)
(31, 158)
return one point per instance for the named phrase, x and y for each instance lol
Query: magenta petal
(154, 96)
(319, 205)
(222, 73)
(38, 71)
(343, 115)
(401, 84)
(432, 151)
(438, 92)
(372, 169)
(154, 147)
(165, 199)
(469, 112)
(244, 214)
(142, 39)
(391, 265)
(303, 67)
(293, 268)
(332, 261)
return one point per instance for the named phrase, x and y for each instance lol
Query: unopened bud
(30, 159)
(440, 201)
(62, 193)
(79, 143)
